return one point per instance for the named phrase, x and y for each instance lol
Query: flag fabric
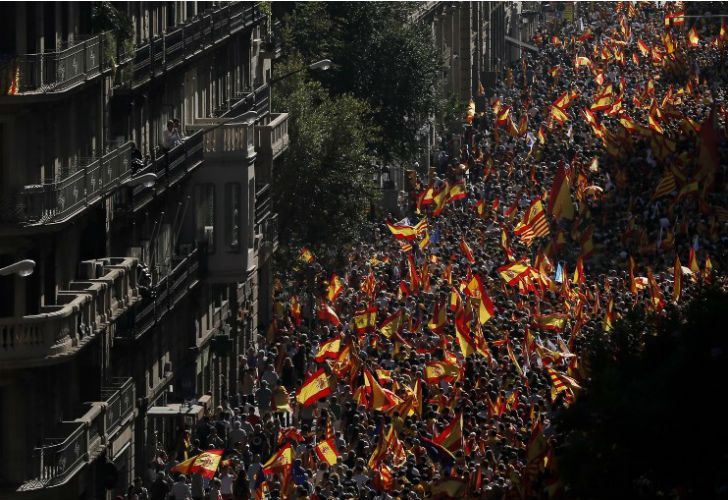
(451, 437)
(402, 232)
(467, 252)
(533, 224)
(326, 313)
(295, 310)
(326, 451)
(280, 461)
(314, 388)
(677, 280)
(335, 288)
(560, 205)
(457, 191)
(389, 446)
(435, 371)
(475, 290)
(366, 320)
(307, 256)
(579, 277)
(328, 350)
(379, 399)
(514, 272)
(693, 262)
(205, 464)
(392, 324)
(666, 185)
(438, 453)
(553, 322)
(693, 37)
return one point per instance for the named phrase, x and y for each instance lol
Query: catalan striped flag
(533, 224)
(666, 185)
(561, 383)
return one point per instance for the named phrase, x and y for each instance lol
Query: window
(251, 214)
(205, 215)
(232, 217)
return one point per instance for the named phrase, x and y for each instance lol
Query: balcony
(163, 296)
(55, 72)
(58, 201)
(81, 312)
(273, 137)
(196, 36)
(170, 169)
(80, 441)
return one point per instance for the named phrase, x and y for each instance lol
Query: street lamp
(323, 65)
(147, 180)
(22, 268)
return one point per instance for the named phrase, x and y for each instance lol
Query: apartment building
(151, 247)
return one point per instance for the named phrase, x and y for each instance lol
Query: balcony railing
(163, 296)
(273, 137)
(170, 168)
(59, 200)
(196, 35)
(80, 441)
(55, 71)
(82, 311)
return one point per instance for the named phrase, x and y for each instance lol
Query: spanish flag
(457, 191)
(392, 324)
(462, 333)
(579, 277)
(514, 272)
(440, 198)
(326, 451)
(503, 116)
(402, 232)
(380, 399)
(708, 269)
(654, 124)
(451, 437)
(314, 388)
(280, 400)
(366, 320)
(554, 322)
(541, 135)
(328, 350)
(326, 313)
(307, 256)
(295, 311)
(467, 252)
(439, 318)
(205, 464)
(560, 204)
(280, 461)
(693, 263)
(558, 115)
(335, 288)
(475, 290)
(693, 37)
(440, 370)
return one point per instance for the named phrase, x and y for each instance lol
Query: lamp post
(323, 65)
(22, 268)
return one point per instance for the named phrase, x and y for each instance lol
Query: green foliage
(378, 57)
(106, 17)
(648, 423)
(324, 183)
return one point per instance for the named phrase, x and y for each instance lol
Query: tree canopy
(378, 57)
(324, 185)
(648, 423)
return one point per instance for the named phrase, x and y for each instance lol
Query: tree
(648, 423)
(379, 57)
(324, 184)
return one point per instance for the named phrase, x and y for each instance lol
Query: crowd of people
(429, 359)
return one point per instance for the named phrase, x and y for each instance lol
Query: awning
(521, 44)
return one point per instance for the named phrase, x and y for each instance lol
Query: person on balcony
(170, 137)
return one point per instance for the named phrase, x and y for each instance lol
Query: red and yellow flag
(693, 37)
(402, 232)
(314, 388)
(475, 290)
(307, 255)
(205, 464)
(451, 437)
(335, 288)
(677, 280)
(560, 204)
(326, 451)
(328, 350)
(280, 461)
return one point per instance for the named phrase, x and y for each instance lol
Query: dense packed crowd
(427, 361)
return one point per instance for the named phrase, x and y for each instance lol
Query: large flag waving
(533, 224)
(280, 460)
(205, 464)
(314, 388)
(560, 205)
